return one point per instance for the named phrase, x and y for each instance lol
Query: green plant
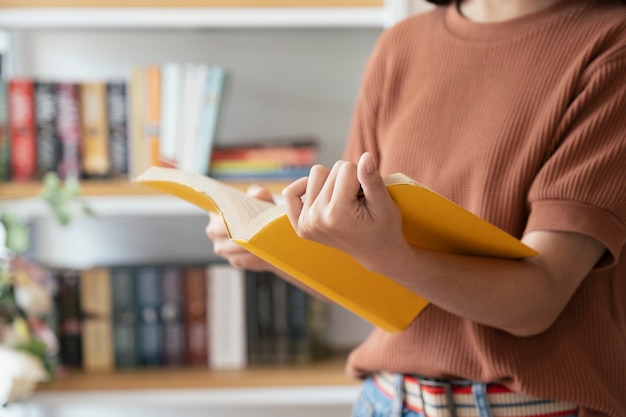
(26, 291)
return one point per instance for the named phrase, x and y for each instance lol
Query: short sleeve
(582, 186)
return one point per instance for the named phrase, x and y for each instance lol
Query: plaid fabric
(437, 399)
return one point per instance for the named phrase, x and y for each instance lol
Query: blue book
(124, 317)
(149, 326)
(208, 118)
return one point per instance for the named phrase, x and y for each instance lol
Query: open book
(430, 221)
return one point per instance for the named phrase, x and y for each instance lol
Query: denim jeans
(374, 403)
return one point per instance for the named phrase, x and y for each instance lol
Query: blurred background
(97, 91)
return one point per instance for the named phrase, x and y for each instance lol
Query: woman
(515, 110)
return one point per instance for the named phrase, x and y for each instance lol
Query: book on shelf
(70, 320)
(117, 122)
(97, 320)
(264, 229)
(69, 129)
(95, 136)
(123, 290)
(190, 101)
(172, 315)
(5, 157)
(149, 324)
(226, 317)
(45, 121)
(23, 137)
(269, 160)
(195, 290)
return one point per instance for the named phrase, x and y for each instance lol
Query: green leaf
(17, 238)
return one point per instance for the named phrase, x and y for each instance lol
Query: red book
(22, 129)
(195, 315)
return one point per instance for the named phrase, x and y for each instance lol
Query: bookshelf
(295, 69)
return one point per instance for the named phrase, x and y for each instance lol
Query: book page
(235, 206)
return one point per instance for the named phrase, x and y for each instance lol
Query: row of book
(175, 108)
(213, 316)
(72, 128)
(164, 115)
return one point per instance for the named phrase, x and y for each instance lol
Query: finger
(317, 178)
(347, 185)
(371, 181)
(293, 199)
(260, 193)
(326, 193)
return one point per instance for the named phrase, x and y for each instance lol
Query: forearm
(522, 297)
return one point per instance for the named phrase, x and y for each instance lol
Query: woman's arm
(522, 297)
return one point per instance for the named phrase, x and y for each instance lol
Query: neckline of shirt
(459, 26)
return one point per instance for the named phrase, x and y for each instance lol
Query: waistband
(436, 398)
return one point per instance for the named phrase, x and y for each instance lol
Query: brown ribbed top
(523, 123)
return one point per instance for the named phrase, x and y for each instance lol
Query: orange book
(153, 116)
(264, 229)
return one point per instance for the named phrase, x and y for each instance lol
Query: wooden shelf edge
(324, 373)
(188, 3)
(92, 188)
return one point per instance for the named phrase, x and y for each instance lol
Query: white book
(226, 317)
(171, 101)
(194, 86)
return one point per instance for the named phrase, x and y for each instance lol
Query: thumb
(370, 179)
(260, 193)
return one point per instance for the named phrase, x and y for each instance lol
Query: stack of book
(273, 160)
(212, 316)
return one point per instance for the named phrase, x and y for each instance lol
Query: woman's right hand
(222, 244)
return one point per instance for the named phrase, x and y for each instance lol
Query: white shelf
(142, 18)
(306, 401)
(143, 205)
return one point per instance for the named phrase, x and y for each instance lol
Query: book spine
(95, 137)
(153, 116)
(171, 102)
(226, 314)
(171, 314)
(253, 348)
(97, 331)
(124, 317)
(46, 122)
(298, 326)
(70, 331)
(265, 317)
(68, 128)
(317, 323)
(118, 127)
(5, 150)
(149, 326)
(281, 351)
(22, 129)
(294, 154)
(208, 119)
(138, 152)
(195, 315)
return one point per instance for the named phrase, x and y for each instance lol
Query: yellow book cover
(95, 140)
(264, 229)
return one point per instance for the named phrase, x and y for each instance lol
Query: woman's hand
(348, 208)
(222, 244)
